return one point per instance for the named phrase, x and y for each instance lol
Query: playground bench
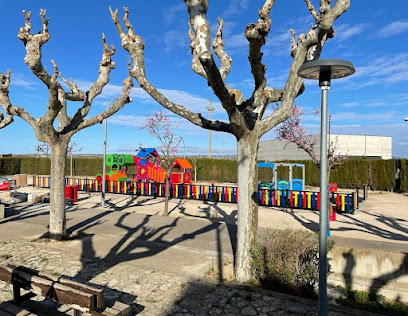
(80, 297)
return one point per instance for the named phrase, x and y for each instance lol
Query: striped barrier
(343, 202)
(286, 198)
(41, 182)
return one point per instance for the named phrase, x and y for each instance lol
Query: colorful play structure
(148, 169)
(291, 184)
(149, 181)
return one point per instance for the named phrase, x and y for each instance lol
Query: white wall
(350, 145)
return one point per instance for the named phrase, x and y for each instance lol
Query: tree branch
(106, 65)
(12, 110)
(195, 62)
(33, 45)
(308, 47)
(197, 10)
(120, 103)
(218, 46)
(313, 11)
(134, 45)
(75, 94)
(256, 35)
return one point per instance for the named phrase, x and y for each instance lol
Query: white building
(372, 147)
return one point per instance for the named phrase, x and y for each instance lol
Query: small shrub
(371, 302)
(288, 260)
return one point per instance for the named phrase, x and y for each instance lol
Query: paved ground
(158, 264)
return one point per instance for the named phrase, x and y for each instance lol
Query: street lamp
(405, 119)
(184, 145)
(104, 155)
(324, 70)
(222, 149)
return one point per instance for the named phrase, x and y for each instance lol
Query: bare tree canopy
(247, 120)
(55, 127)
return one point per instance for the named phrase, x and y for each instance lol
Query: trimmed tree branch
(218, 46)
(197, 10)
(12, 110)
(308, 47)
(135, 46)
(195, 62)
(256, 34)
(313, 11)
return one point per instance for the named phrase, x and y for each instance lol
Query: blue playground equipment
(295, 184)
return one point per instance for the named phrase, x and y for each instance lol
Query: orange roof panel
(183, 163)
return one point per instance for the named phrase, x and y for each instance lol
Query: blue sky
(373, 35)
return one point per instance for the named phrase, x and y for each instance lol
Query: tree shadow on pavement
(207, 298)
(220, 216)
(151, 236)
(394, 232)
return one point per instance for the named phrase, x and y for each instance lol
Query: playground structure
(148, 169)
(291, 184)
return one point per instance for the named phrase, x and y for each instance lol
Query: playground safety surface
(131, 249)
(383, 217)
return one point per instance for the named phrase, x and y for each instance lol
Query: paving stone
(150, 292)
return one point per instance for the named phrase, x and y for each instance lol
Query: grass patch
(370, 302)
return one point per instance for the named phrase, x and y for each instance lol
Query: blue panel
(297, 184)
(266, 165)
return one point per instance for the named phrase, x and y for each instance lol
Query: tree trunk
(57, 192)
(166, 195)
(247, 204)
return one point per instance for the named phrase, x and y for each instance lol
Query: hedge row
(379, 174)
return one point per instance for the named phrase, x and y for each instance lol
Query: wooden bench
(80, 297)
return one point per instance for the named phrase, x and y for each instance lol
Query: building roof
(183, 163)
(147, 152)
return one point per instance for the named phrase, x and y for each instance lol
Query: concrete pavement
(134, 251)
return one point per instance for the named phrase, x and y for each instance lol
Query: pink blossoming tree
(160, 126)
(293, 131)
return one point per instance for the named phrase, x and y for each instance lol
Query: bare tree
(246, 116)
(56, 127)
(159, 125)
(293, 131)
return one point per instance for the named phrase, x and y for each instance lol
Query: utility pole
(210, 109)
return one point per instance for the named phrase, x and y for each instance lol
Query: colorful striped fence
(343, 202)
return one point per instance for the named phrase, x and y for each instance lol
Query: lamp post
(210, 109)
(104, 156)
(324, 70)
(222, 149)
(184, 145)
(365, 145)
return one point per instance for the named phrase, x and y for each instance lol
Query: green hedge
(217, 170)
(379, 174)
(33, 165)
(10, 165)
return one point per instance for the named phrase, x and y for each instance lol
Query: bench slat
(80, 297)
(33, 272)
(98, 293)
(79, 300)
(11, 309)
